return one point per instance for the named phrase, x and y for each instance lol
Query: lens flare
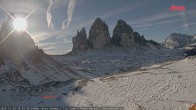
(20, 24)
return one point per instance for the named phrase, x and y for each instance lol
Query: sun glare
(20, 24)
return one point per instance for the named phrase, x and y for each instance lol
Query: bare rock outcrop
(123, 34)
(99, 35)
(80, 42)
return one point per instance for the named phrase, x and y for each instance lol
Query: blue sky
(151, 18)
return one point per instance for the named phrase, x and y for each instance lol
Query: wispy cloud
(153, 18)
(70, 12)
(22, 6)
(163, 18)
(157, 23)
(57, 52)
(185, 22)
(54, 44)
(131, 7)
(47, 46)
(49, 15)
(142, 29)
(57, 47)
(38, 37)
(186, 25)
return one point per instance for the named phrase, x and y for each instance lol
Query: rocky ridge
(99, 36)
(178, 40)
(80, 41)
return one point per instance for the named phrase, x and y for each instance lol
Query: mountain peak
(178, 40)
(122, 22)
(123, 34)
(80, 41)
(99, 35)
(98, 20)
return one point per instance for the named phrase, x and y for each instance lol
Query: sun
(20, 24)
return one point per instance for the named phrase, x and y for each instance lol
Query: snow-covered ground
(114, 60)
(165, 86)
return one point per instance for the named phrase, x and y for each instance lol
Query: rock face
(99, 35)
(80, 42)
(194, 38)
(139, 39)
(2, 59)
(123, 34)
(191, 52)
(153, 42)
(177, 40)
(191, 46)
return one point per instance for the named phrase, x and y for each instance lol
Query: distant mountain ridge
(99, 37)
(178, 40)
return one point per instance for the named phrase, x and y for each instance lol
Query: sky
(53, 23)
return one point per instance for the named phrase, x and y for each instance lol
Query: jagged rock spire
(123, 34)
(80, 42)
(99, 35)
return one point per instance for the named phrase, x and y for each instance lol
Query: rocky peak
(178, 40)
(80, 42)
(99, 36)
(153, 42)
(123, 34)
(123, 27)
(139, 39)
(82, 33)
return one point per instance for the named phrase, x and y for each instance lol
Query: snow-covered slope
(151, 77)
(111, 60)
(165, 86)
